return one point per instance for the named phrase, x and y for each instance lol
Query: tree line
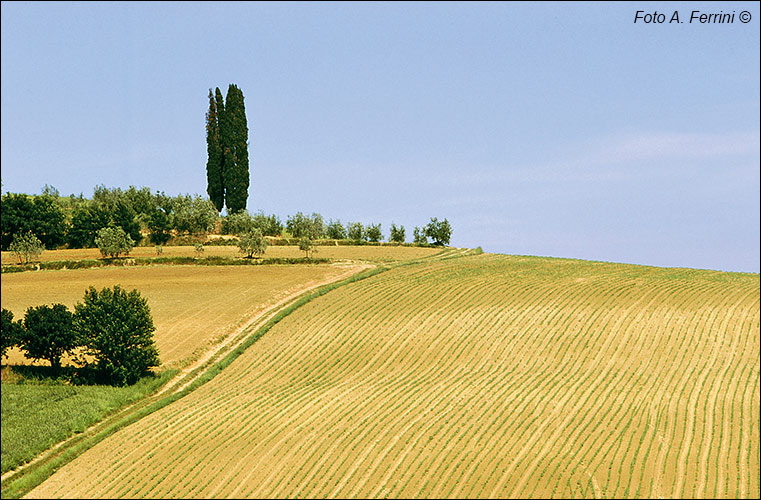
(112, 327)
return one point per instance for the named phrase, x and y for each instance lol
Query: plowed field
(480, 376)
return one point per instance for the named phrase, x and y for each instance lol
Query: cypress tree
(234, 132)
(215, 185)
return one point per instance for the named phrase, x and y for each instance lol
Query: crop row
(469, 377)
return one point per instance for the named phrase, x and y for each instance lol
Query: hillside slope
(476, 376)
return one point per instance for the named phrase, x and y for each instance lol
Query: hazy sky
(561, 130)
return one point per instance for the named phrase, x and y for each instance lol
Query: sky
(550, 129)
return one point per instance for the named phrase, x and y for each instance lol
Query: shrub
(116, 327)
(48, 334)
(199, 249)
(27, 247)
(113, 240)
(252, 243)
(397, 234)
(373, 233)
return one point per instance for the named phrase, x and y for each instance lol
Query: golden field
(476, 376)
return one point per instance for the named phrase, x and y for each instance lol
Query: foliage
(373, 232)
(193, 214)
(252, 243)
(306, 245)
(158, 225)
(234, 135)
(36, 416)
(439, 232)
(116, 327)
(237, 223)
(355, 231)
(20, 213)
(335, 230)
(300, 225)
(269, 225)
(113, 241)
(214, 164)
(397, 234)
(48, 333)
(418, 237)
(9, 331)
(85, 223)
(26, 247)
(199, 249)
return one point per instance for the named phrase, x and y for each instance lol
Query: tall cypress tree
(234, 132)
(215, 183)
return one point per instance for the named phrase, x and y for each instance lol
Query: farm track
(469, 376)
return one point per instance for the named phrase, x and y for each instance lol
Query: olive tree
(252, 243)
(373, 232)
(113, 241)
(27, 247)
(397, 234)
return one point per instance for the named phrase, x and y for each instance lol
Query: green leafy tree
(199, 249)
(373, 232)
(439, 232)
(9, 331)
(85, 223)
(194, 215)
(418, 237)
(27, 247)
(116, 328)
(42, 215)
(300, 225)
(234, 134)
(269, 225)
(252, 243)
(159, 226)
(113, 241)
(355, 231)
(306, 245)
(237, 223)
(214, 164)
(48, 334)
(335, 230)
(397, 234)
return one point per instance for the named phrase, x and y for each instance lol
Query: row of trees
(113, 327)
(227, 147)
(75, 221)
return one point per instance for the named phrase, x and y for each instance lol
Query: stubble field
(480, 376)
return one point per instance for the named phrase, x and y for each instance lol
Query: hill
(471, 376)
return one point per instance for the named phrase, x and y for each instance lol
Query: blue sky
(560, 130)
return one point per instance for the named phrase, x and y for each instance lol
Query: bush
(373, 233)
(9, 331)
(199, 249)
(397, 234)
(27, 247)
(48, 334)
(112, 241)
(117, 329)
(252, 243)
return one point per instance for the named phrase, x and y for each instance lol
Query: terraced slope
(481, 376)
